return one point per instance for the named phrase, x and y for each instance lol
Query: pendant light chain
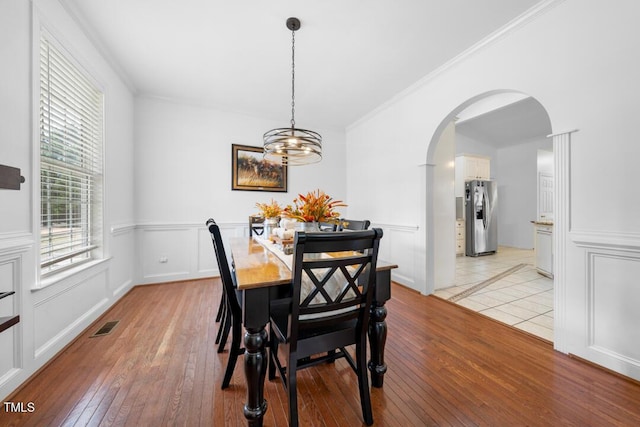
(293, 78)
(291, 146)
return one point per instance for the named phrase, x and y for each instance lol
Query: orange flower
(269, 210)
(315, 206)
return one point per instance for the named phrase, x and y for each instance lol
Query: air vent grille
(105, 329)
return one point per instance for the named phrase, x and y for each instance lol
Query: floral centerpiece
(316, 206)
(269, 210)
(271, 213)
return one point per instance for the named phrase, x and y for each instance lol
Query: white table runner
(336, 284)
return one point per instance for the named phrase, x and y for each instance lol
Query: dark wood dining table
(263, 277)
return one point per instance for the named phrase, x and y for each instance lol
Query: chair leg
(225, 326)
(273, 352)
(363, 382)
(220, 310)
(292, 392)
(234, 352)
(222, 313)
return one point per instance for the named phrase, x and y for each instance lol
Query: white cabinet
(474, 167)
(470, 167)
(544, 249)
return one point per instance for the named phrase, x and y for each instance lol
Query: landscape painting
(250, 171)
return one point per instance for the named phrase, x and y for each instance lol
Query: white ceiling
(514, 123)
(351, 56)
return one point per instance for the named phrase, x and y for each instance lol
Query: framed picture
(253, 173)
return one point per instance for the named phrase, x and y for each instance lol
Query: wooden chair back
(354, 225)
(256, 225)
(327, 226)
(333, 278)
(226, 276)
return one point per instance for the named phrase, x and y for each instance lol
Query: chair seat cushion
(280, 318)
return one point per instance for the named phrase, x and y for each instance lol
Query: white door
(545, 197)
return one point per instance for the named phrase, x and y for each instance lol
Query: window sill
(69, 273)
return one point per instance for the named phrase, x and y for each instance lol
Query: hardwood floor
(447, 366)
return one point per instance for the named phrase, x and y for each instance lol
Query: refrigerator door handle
(485, 213)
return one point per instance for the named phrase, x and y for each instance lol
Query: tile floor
(506, 287)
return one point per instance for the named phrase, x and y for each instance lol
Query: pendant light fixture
(291, 145)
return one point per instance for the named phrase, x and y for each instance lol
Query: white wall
(574, 58)
(183, 177)
(51, 317)
(517, 192)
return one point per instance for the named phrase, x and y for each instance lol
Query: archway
(434, 197)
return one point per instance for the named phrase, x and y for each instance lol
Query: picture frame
(251, 172)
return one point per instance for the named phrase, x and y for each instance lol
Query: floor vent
(105, 329)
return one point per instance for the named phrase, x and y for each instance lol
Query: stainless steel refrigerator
(481, 217)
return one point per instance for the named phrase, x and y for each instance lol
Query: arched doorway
(488, 106)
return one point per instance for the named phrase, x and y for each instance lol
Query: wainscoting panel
(166, 252)
(8, 359)
(398, 246)
(63, 310)
(206, 256)
(611, 315)
(122, 271)
(207, 265)
(172, 252)
(614, 295)
(10, 268)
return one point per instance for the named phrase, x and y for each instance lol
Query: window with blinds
(71, 133)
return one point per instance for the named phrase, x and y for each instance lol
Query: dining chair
(355, 225)
(332, 289)
(256, 225)
(232, 312)
(327, 226)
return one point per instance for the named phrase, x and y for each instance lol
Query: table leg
(255, 365)
(377, 340)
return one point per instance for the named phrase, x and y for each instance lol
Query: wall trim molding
(122, 289)
(10, 375)
(124, 228)
(184, 225)
(606, 240)
(397, 227)
(562, 133)
(12, 243)
(120, 229)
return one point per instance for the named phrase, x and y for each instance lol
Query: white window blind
(71, 133)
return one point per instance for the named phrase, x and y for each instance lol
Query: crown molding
(517, 23)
